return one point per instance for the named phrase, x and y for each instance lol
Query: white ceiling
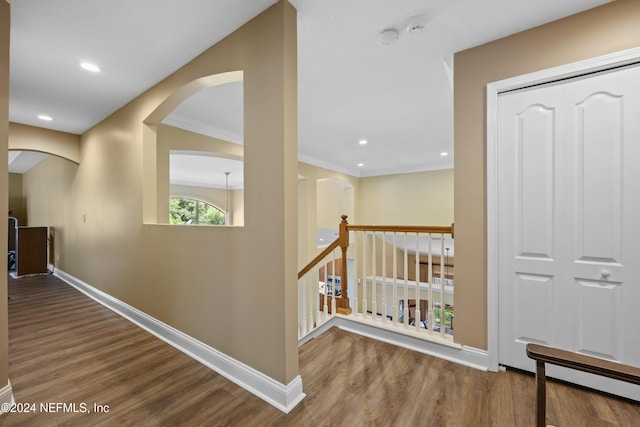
(195, 169)
(216, 111)
(22, 161)
(399, 97)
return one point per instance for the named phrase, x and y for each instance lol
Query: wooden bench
(543, 354)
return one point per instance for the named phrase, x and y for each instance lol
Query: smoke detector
(416, 24)
(388, 36)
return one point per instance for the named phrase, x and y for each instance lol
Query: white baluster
(430, 285)
(395, 280)
(306, 312)
(314, 298)
(364, 306)
(364, 274)
(442, 282)
(384, 278)
(325, 307)
(374, 274)
(406, 282)
(354, 286)
(417, 273)
(333, 283)
(302, 314)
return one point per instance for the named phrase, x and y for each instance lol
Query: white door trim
(493, 90)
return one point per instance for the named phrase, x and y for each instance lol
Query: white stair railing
(319, 288)
(404, 280)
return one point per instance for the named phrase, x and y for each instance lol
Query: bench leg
(541, 398)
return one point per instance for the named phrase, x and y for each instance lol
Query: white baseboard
(463, 355)
(284, 397)
(6, 397)
(324, 327)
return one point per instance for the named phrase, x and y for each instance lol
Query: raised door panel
(598, 316)
(533, 296)
(598, 137)
(535, 143)
(529, 154)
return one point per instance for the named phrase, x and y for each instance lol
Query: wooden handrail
(403, 228)
(581, 362)
(319, 258)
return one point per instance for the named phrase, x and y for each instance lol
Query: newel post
(343, 240)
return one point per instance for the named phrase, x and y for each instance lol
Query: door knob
(605, 274)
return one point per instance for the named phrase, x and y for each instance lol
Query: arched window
(183, 210)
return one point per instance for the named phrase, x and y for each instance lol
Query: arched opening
(193, 146)
(38, 196)
(29, 173)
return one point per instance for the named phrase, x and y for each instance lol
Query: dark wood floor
(65, 348)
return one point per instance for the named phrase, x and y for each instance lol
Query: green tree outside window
(190, 211)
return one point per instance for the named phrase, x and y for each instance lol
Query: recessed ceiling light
(363, 142)
(444, 153)
(45, 117)
(90, 67)
(360, 164)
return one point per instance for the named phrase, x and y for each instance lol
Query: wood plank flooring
(66, 348)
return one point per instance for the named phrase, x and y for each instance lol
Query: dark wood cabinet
(31, 250)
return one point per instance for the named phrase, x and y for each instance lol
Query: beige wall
(5, 19)
(48, 197)
(422, 198)
(334, 198)
(39, 194)
(234, 288)
(606, 29)
(62, 144)
(16, 198)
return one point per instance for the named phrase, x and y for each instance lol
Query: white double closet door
(569, 222)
